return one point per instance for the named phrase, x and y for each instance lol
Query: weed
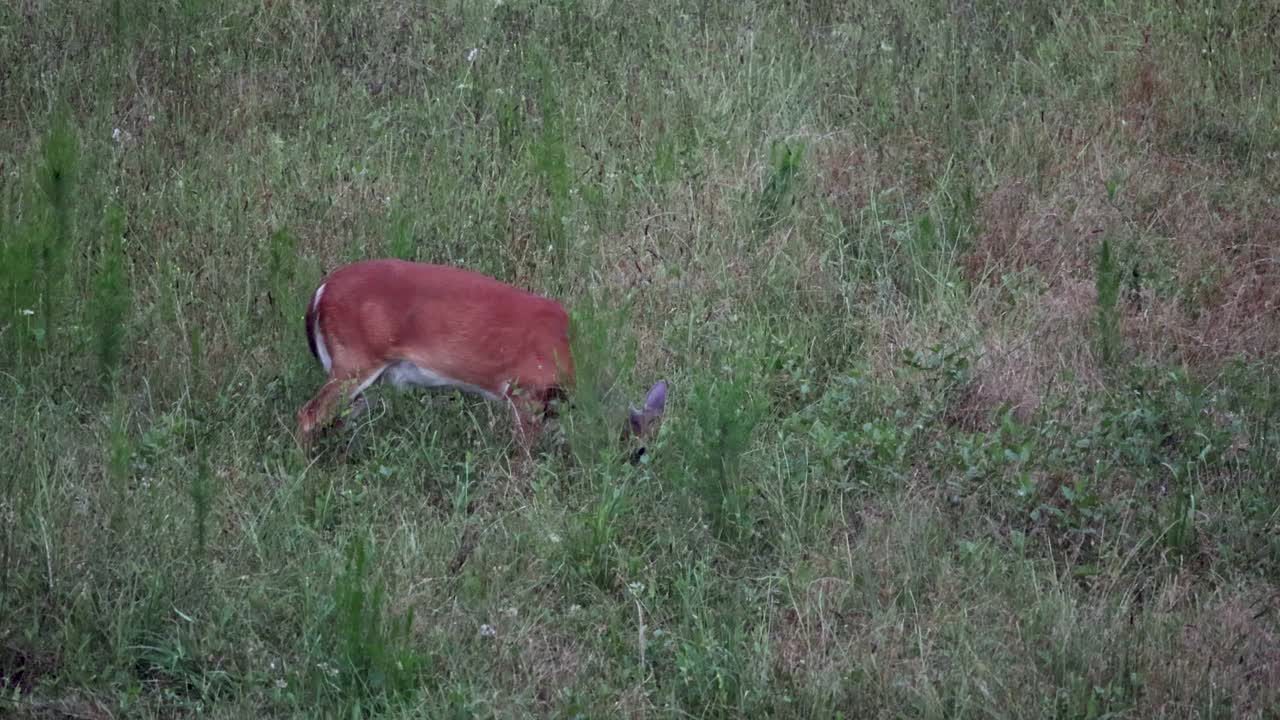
(400, 237)
(112, 297)
(376, 663)
(201, 498)
(58, 177)
(781, 174)
(1180, 523)
(604, 353)
(722, 414)
(282, 273)
(1107, 282)
(119, 457)
(591, 552)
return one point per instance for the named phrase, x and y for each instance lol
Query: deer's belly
(405, 374)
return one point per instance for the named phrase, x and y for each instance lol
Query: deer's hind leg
(320, 411)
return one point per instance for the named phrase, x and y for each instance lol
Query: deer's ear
(654, 403)
(656, 400)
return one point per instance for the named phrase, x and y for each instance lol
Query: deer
(417, 324)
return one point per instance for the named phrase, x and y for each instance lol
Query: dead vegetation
(1200, 272)
(1200, 253)
(1200, 269)
(1232, 642)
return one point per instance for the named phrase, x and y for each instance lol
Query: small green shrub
(781, 176)
(722, 413)
(401, 242)
(201, 492)
(282, 275)
(61, 153)
(1107, 283)
(37, 234)
(20, 302)
(119, 460)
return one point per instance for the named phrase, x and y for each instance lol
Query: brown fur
(459, 324)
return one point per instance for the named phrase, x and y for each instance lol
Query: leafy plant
(781, 175)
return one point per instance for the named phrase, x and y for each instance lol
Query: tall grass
(967, 313)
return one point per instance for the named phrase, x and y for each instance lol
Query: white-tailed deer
(439, 326)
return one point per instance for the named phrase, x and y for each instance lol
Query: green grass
(931, 448)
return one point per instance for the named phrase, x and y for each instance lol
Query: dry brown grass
(814, 634)
(1229, 644)
(1202, 243)
(1208, 269)
(546, 660)
(1181, 643)
(853, 175)
(1029, 353)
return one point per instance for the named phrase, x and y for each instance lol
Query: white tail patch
(326, 361)
(315, 299)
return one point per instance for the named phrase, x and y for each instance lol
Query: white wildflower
(488, 631)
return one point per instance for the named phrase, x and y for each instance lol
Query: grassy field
(970, 314)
